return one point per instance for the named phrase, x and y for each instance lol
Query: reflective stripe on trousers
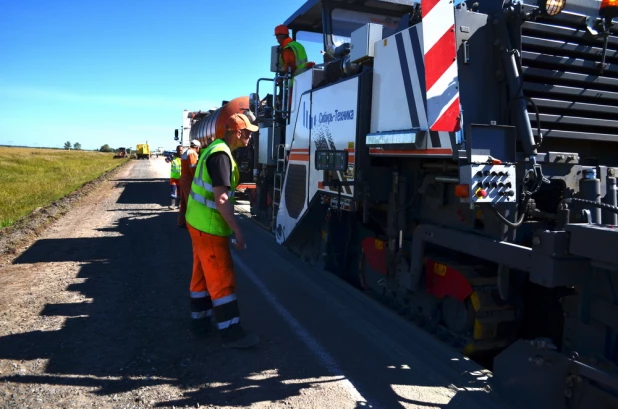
(201, 305)
(213, 273)
(226, 309)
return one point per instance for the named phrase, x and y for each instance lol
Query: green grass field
(32, 178)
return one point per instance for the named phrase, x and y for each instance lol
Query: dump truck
(143, 151)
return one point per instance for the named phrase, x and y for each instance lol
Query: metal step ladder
(278, 181)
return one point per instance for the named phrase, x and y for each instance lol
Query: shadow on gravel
(133, 331)
(142, 180)
(141, 191)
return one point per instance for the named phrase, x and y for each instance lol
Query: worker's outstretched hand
(239, 241)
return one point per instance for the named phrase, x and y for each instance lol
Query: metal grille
(560, 63)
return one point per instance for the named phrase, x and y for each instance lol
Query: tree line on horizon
(77, 146)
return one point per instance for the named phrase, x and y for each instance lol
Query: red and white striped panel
(441, 78)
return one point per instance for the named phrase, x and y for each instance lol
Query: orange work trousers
(213, 275)
(185, 189)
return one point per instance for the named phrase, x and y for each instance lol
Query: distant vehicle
(122, 153)
(157, 152)
(143, 151)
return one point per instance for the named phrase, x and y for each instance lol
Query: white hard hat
(195, 142)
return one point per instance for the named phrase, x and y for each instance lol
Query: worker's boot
(172, 203)
(236, 337)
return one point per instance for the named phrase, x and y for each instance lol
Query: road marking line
(325, 358)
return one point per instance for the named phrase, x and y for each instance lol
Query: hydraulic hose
(521, 217)
(604, 206)
(531, 183)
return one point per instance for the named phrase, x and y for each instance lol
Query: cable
(521, 217)
(531, 183)
(603, 206)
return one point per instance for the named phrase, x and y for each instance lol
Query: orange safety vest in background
(189, 162)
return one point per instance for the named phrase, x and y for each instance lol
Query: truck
(206, 126)
(458, 162)
(143, 151)
(188, 119)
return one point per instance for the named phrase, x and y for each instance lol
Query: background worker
(293, 57)
(175, 173)
(188, 163)
(211, 221)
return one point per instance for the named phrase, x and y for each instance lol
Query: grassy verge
(31, 178)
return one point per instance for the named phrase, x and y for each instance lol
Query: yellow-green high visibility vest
(202, 213)
(175, 172)
(299, 53)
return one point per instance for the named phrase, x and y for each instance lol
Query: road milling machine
(458, 160)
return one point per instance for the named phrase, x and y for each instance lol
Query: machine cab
(324, 28)
(330, 23)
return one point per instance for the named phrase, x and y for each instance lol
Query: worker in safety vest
(211, 222)
(188, 163)
(175, 173)
(293, 56)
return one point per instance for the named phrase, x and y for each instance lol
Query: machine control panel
(331, 160)
(333, 202)
(489, 183)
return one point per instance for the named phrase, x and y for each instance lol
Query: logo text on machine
(326, 117)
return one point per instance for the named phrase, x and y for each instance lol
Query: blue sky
(121, 72)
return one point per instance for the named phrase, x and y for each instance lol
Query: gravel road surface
(94, 313)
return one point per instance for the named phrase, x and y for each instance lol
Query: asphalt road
(96, 313)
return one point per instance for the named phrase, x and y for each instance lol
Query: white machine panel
(489, 183)
(274, 58)
(324, 120)
(269, 139)
(398, 68)
(363, 41)
(398, 96)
